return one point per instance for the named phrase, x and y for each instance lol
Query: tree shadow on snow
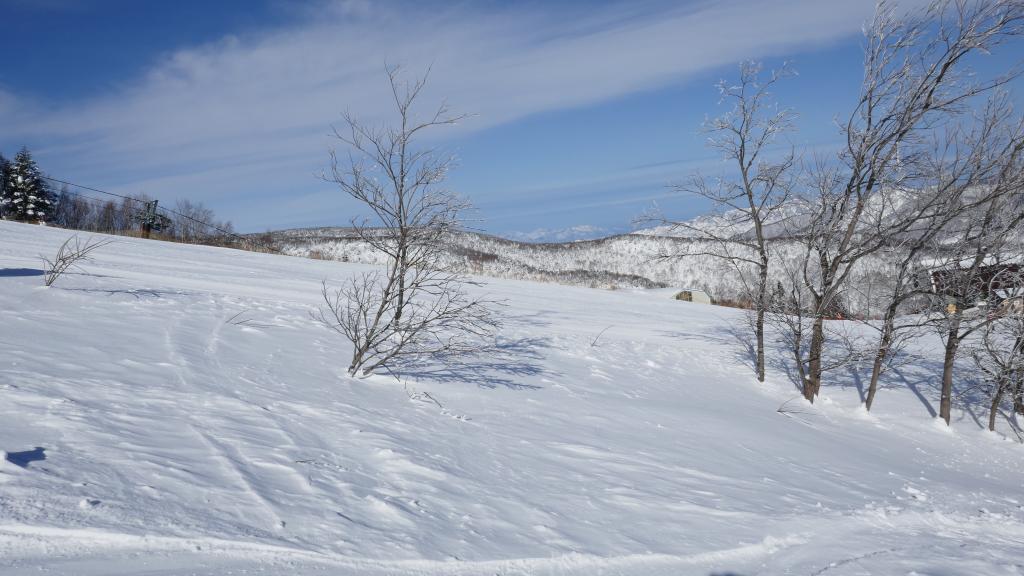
(26, 457)
(924, 380)
(539, 318)
(738, 340)
(139, 294)
(918, 374)
(704, 337)
(499, 366)
(854, 373)
(91, 274)
(914, 386)
(1012, 421)
(780, 362)
(19, 272)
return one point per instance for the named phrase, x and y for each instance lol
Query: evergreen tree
(5, 166)
(26, 197)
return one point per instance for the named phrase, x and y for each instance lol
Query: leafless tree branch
(417, 306)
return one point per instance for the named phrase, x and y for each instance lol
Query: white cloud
(249, 115)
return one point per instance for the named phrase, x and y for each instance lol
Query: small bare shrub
(69, 255)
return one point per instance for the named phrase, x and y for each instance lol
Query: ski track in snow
(194, 420)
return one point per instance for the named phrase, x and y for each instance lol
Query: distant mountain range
(640, 259)
(648, 258)
(571, 234)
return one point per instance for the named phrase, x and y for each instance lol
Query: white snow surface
(173, 409)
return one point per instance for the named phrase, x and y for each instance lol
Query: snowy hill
(620, 261)
(579, 256)
(658, 257)
(173, 410)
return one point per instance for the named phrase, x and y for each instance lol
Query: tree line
(26, 195)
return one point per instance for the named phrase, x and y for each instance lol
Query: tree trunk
(762, 297)
(952, 343)
(813, 382)
(759, 330)
(1017, 378)
(400, 268)
(884, 342)
(357, 360)
(876, 370)
(997, 399)
(798, 357)
(1018, 395)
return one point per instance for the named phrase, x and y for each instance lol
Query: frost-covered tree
(964, 202)
(998, 353)
(26, 197)
(915, 81)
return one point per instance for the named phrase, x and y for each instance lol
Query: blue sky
(583, 111)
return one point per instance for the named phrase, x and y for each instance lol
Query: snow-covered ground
(174, 410)
(622, 261)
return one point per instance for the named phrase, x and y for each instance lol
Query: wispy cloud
(249, 116)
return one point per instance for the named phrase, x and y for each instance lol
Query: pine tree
(26, 197)
(5, 167)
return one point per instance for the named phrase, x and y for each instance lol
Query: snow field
(194, 420)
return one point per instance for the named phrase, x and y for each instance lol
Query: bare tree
(418, 306)
(914, 82)
(789, 310)
(940, 187)
(747, 206)
(72, 211)
(999, 353)
(981, 256)
(195, 223)
(70, 254)
(890, 290)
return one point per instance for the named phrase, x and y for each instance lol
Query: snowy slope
(620, 261)
(191, 419)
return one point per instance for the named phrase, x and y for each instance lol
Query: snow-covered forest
(644, 259)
